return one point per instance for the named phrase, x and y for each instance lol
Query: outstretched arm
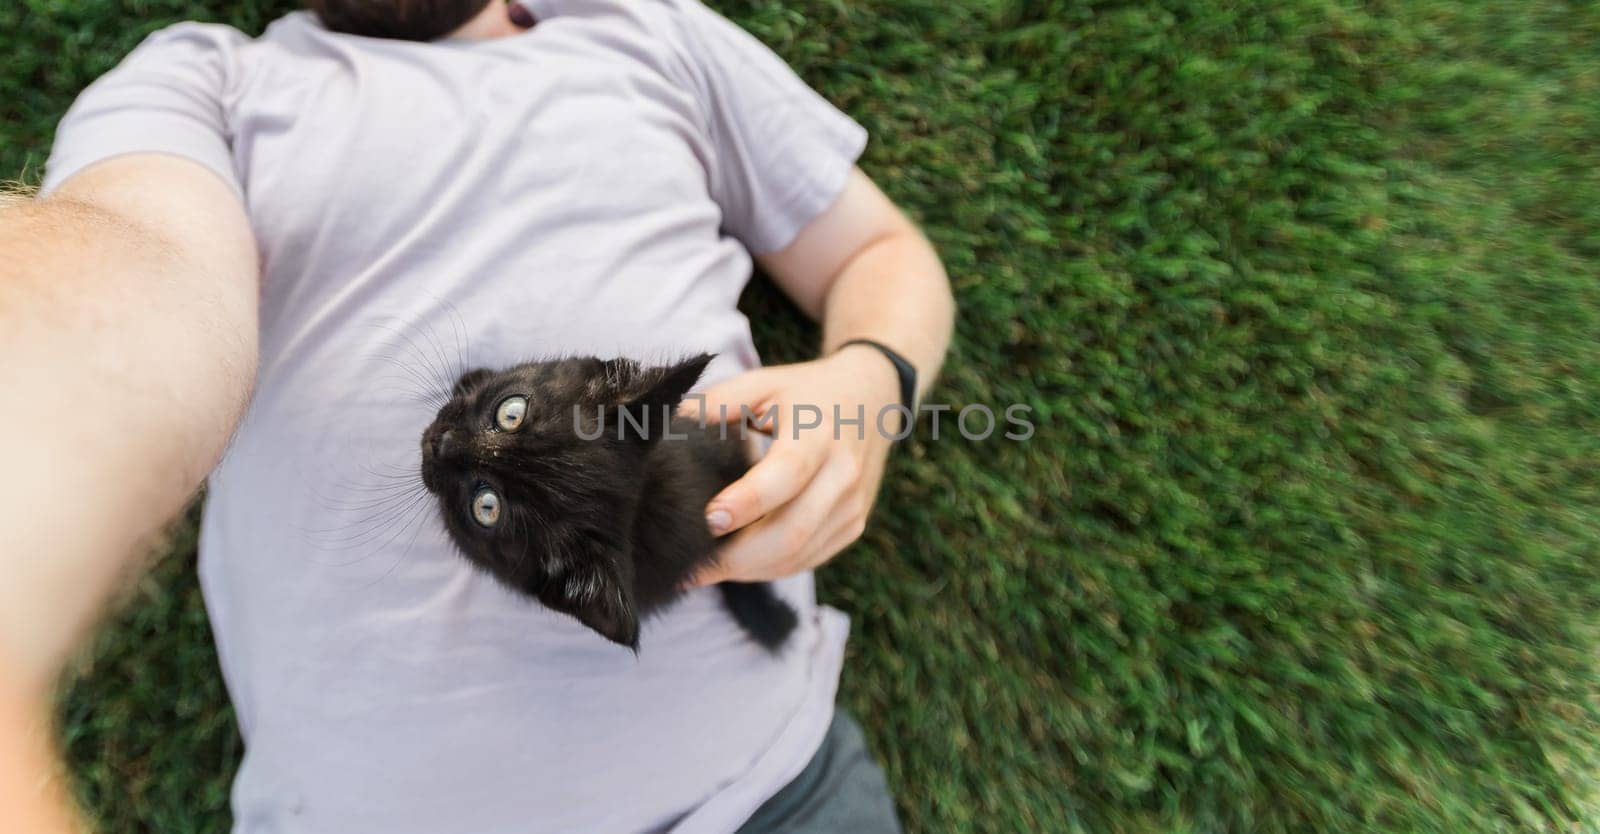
(866, 272)
(128, 331)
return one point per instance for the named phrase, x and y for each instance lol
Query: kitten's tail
(761, 612)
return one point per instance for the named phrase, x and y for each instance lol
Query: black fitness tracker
(903, 369)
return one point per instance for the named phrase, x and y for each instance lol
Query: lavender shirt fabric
(592, 186)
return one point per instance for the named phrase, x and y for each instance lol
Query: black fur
(607, 529)
(767, 618)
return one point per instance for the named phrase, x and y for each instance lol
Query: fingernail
(719, 521)
(520, 15)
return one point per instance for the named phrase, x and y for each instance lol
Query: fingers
(720, 403)
(802, 503)
(791, 539)
(775, 480)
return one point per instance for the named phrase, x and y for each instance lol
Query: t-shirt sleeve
(781, 152)
(168, 96)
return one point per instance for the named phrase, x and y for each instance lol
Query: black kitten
(571, 482)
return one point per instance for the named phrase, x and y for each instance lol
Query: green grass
(1305, 295)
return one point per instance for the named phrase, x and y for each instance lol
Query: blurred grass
(1305, 295)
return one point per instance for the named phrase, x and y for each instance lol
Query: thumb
(721, 402)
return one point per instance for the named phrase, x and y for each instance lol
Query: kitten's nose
(445, 443)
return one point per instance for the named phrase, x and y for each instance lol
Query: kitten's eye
(486, 507)
(508, 415)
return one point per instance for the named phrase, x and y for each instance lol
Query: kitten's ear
(598, 591)
(469, 380)
(618, 373)
(652, 408)
(613, 616)
(676, 380)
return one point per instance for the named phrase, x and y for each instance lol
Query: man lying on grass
(239, 237)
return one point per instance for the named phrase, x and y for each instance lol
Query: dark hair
(411, 20)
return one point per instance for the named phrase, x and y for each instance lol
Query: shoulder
(229, 62)
(193, 37)
(195, 58)
(208, 54)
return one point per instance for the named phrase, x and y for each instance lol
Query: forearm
(867, 273)
(33, 795)
(893, 291)
(129, 351)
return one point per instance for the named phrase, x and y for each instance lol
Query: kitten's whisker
(406, 343)
(381, 504)
(458, 326)
(408, 393)
(389, 488)
(378, 541)
(433, 403)
(372, 530)
(369, 505)
(408, 389)
(440, 360)
(416, 529)
(412, 472)
(398, 481)
(376, 510)
(424, 385)
(421, 354)
(459, 331)
(441, 354)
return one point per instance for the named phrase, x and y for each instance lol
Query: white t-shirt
(592, 186)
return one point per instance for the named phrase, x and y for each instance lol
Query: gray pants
(841, 790)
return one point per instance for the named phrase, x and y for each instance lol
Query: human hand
(809, 497)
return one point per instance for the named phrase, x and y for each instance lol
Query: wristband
(902, 368)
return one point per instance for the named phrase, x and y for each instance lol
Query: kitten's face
(527, 498)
